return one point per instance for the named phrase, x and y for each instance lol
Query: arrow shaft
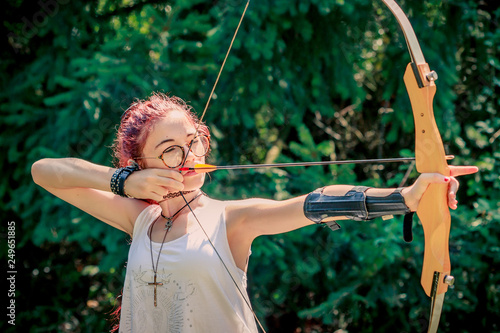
(284, 165)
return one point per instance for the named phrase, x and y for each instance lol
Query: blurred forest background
(307, 80)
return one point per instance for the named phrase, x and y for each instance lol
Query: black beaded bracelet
(118, 179)
(114, 181)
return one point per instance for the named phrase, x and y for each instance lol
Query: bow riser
(433, 208)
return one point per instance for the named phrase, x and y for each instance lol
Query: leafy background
(306, 80)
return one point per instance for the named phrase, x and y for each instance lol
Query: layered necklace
(175, 194)
(168, 225)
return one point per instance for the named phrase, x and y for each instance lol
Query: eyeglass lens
(174, 156)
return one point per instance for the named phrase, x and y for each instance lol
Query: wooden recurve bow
(433, 210)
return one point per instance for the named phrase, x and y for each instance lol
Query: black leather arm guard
(355, 205)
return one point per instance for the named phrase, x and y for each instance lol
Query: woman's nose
(188, 152)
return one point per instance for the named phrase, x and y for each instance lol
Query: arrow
(204, 168)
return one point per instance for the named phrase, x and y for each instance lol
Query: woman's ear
(133, 163)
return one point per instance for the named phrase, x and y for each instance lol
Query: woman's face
(174, 129)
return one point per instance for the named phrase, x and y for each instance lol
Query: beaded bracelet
(117, 182)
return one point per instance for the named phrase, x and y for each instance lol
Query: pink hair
(138, 120)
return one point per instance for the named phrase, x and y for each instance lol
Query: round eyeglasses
(174, 156)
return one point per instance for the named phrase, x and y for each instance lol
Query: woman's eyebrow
(170, 140)
(164, 141)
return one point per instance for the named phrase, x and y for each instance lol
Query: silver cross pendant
(168, 224)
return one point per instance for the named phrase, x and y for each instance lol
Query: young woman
(187, 263)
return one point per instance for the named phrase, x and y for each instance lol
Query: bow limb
(430, 155)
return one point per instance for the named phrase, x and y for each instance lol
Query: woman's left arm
(257, 217)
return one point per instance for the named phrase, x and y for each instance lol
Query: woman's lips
(190, 173)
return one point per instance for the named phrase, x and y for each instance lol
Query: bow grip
(433, 210)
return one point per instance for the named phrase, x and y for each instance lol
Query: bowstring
(184, 162)
(222, 67)
(200, 121)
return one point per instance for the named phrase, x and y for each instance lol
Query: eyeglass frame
(189, 145)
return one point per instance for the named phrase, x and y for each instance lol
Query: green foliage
(306, 80)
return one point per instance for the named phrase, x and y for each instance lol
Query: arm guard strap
(355, 205)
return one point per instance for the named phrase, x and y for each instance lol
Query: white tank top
(197, 294)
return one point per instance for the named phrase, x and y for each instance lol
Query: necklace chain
(168, 226)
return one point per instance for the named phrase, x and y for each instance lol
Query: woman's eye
(169, 150)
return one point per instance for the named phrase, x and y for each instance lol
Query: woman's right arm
(86, 186)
